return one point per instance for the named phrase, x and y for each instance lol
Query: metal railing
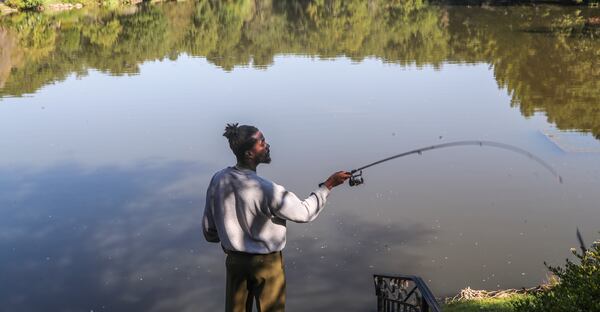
(403, 293)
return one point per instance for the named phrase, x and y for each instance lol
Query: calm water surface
(112, 124)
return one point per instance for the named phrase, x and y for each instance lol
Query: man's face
(261, 150)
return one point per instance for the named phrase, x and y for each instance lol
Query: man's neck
(246, 166)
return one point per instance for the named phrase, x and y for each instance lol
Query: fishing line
(357, 179)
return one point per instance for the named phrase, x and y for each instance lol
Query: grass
(483, 305)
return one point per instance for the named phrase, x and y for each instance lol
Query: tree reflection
(546, 63)
(545, 57)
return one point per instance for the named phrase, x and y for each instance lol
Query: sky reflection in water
(112, 213)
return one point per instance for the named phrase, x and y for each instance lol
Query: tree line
(546, 57)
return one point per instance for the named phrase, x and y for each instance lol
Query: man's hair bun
(240, 138)
(231, 131)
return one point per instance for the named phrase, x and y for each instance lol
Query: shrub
(578, 288)
(24, 4)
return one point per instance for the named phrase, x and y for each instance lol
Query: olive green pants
(252, 277)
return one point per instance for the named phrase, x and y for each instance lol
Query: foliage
(569, 24)
(578, 288)
(520, 44)
(36, 34)
(24, 4)
(111, 3)
(103, 34)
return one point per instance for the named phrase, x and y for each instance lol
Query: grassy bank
(484, 305)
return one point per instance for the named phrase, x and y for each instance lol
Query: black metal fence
(403, 293)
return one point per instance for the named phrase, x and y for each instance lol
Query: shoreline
(56, 6)
(468, 299)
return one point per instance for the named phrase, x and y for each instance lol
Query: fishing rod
(357, 178)
(581, 243)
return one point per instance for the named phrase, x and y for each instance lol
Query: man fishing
(247, 214)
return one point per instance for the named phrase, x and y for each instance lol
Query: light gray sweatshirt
(248, 213)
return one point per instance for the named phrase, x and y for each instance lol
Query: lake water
(112, 123)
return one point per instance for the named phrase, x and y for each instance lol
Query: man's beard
(266, 157)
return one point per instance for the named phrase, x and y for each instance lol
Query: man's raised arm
(288, 206)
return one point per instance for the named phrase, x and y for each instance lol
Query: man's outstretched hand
(337, 179)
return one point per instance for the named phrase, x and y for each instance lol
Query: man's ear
(249, 154)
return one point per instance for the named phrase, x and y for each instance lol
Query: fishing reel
(356, 178)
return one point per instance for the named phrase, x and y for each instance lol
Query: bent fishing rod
(357, 178)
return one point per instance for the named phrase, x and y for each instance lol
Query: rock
(593, 21)
(61, 6)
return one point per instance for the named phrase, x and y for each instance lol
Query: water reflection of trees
(545, 57)
(545, 65)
